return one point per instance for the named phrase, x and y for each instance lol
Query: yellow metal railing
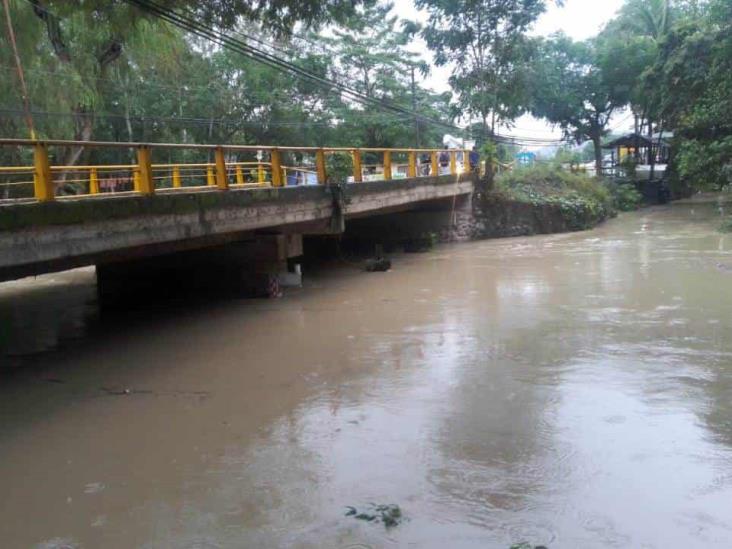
(228, 166)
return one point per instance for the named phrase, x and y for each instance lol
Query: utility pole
(417, 140)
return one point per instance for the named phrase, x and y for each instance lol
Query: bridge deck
(64, 233)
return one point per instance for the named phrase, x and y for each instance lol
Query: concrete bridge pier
(246, 268)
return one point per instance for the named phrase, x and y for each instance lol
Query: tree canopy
(485, 43)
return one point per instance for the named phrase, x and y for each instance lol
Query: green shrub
(583, 201)
(726, 226)
(626, 197)
(339, 166)
(544, 182)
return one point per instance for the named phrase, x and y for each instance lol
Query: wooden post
(357, 171)
(222, 178)
(387, 165)
(144, 182)
(320, 166)
(43, 178)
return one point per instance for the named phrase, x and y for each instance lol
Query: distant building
(642, 150)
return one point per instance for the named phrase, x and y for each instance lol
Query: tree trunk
(128, 121)
(84, 126)
(651, 155)
(597, 144)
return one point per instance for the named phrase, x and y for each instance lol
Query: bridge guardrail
(227, 166)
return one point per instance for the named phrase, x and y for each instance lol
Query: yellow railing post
(276, 168)
(144, 181)
(42, 177)
(320, 166)
(261, 179)
(93, 181)
(435, 168)
(453, 163)
(466, 161)
(222, 178)
(239, 175)
(176, 177)
(210, 178)
(412, 168)
(357, 171)
(387, 165)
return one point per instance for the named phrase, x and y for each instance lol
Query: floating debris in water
(389, 514)
(526, 545)
(377, 265)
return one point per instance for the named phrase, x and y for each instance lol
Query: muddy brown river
(572, 391)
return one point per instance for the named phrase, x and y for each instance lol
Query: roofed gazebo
(630, 144)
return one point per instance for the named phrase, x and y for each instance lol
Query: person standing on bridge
(424, 164)
(474, 159)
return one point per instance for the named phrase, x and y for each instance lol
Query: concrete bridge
(239, 219)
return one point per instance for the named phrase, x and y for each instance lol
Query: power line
(265, 58)
(196, 121)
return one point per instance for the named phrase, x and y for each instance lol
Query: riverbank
(540, 200)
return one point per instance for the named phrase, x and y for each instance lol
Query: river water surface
(567, 390)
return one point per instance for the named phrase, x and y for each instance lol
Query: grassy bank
(582, 201)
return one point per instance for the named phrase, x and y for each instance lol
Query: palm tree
(651, 18)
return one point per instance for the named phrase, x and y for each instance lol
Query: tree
(572, 91)
(693, 76)
(485, 41)
(87, 41)
(370, 54)
(629, 46)
(169, 86)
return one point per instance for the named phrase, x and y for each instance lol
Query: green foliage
(485, 42)
(625, 196)
(629, 166)
(675, 60)
(582, 200)
(278, 16)
(99, 70)
(572, 90)
(726, 226)
(370, 52)
(694, 74)
(706, 164)
(339, 166)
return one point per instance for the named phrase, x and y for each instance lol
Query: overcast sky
(579, 19)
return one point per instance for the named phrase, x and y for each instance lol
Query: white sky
(579, 19)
